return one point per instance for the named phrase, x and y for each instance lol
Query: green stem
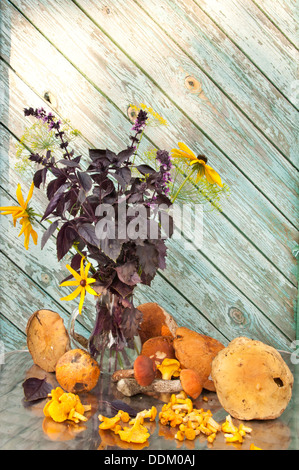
(80, 253)
(182, 185)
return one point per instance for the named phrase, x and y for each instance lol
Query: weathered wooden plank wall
(96, 58)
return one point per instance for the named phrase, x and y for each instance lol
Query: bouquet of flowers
(114, 217)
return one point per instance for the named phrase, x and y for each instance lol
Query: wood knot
(45, 278)
(236, 315)
(192, 84)
(48, 96)
(106, 10)
(132, 113)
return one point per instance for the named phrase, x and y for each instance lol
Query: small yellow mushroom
(64, 406)
(190, 434)
(236, 437)
(211, 437)
(137, 434)
(228, 426)
(108, 423)
(180, 436)
(187, 406)
(169, 368)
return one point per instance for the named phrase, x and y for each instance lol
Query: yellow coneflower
(82, 281)
(24, 213)
(199, 164)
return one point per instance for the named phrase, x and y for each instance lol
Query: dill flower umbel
(154, 118)
(24, 213)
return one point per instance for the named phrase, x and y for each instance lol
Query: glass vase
(114, 341)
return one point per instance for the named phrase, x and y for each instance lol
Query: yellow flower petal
(81, 300)
(20, 196)
(69, 283)
(82, 272)
(186, 149)
(212, 176)
(34, 236)
(74, 273)
(25, 223)
(29, 194)
(90, 290)
(87, 267)
(73, 295)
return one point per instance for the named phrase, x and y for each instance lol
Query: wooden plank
(251, 275)
(232, 313)
(12, 337)
(226, 126)
(262, 298)
(258, 38)
(245, 203)
(218, 118)
(284, 15)
(213, 52)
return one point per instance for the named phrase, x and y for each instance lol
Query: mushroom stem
(122, 374)
(129, 386)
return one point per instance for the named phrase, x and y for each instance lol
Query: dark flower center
(83, 283)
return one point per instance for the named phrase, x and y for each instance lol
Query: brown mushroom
(47, 339)
(252, 380)
(144, 370)
(158, 349)
(155, 322)
(191, 382)
(196, 351)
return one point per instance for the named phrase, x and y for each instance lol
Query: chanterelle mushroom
(252, 380)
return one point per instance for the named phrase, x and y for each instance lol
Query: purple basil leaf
(36, 389)
(125, 173)
(47, 234)
(65, 239)
(125, 154)
(127, 273)
(69, 163)
(87, 232)
(52, 204)
(120, 180)
(146, 169)
(148, 258)
(111, 248)
(84, 180)
(94, 154)
(38, 177)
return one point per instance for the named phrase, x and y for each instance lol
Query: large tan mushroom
(155, 322)
(252, 380)
(47, 338)
(196, 351)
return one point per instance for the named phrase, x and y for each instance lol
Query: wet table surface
(25, 427)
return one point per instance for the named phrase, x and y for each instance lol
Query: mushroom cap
(196, 351)
(159, 348)
(47, 338)
(191, 382)
(252, 380)
(155, 322)
(76, 371)
(144, 370)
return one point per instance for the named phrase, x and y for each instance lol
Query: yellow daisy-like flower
(24, 213)
(82, 281)
(199, 164)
